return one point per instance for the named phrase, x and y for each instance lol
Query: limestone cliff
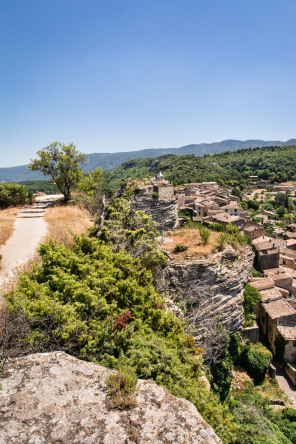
(56, 398)
(209, 287)
(160, 203)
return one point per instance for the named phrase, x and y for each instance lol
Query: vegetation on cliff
(95, 299)
(101, 305)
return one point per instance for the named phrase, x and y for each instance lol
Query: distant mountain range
(111, 160)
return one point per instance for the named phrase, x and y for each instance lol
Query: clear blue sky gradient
(121, 75)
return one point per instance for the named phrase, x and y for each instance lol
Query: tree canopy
(61, 162)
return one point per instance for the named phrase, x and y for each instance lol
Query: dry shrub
(64, 220)
(7, 218)
(122, 388)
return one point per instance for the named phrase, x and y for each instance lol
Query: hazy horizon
(163, 147)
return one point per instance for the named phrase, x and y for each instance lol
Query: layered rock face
(56, 398)
(160, 203)
(210, 287)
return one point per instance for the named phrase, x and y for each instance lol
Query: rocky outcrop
(160, 203)
(210, 287)
(56, 398)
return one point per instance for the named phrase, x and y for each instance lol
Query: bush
(205, 234)
(13, 194)
(122, 388)
(251, 298)
(289, 413)
(179, 248)
(235, 347)
(255, 362)
(222, 240)
(155, 195)
(222, 376)
(216, 227)
(256, 273)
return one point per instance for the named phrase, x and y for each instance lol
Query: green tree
(91, 191)
(61, 162)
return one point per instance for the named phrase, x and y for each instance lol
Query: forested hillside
(275, 164)
(107, 161)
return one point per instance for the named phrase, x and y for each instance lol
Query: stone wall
(251, 333)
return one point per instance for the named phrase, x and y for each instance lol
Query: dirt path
(29, 229)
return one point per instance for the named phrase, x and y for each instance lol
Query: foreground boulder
(56, 398)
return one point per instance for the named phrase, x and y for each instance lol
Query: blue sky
(121, 75)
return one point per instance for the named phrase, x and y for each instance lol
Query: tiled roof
(262, 283)
(288, 332)
(278, 308)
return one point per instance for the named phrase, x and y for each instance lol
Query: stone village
(275, 256)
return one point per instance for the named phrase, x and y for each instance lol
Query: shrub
(205, 234)
(155, 195)
(121, 320)
(256, 273)
(179, 248)
(251, 298)
(222, 376)
(235, 347)
(122, 387)
(222, 240)
(216, 227)
(255, 362)
(13, 194)
(289, 413)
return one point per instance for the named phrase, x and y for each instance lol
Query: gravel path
(29, 229)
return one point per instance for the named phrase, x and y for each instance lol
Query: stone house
(290, 235)
(291, 243)
(289, 333)
(292, 227)
(234, 210)
(268, 251)
(225, 219)
(274, 313)
(254, 230)
(288, 258)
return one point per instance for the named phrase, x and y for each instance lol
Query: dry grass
(64, 220)
(7, 218)
(192, 239)
(10, 281)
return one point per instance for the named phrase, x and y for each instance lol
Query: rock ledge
(56, 398)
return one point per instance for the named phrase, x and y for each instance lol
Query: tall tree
(61, 162)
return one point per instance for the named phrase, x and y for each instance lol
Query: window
(294, 343)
